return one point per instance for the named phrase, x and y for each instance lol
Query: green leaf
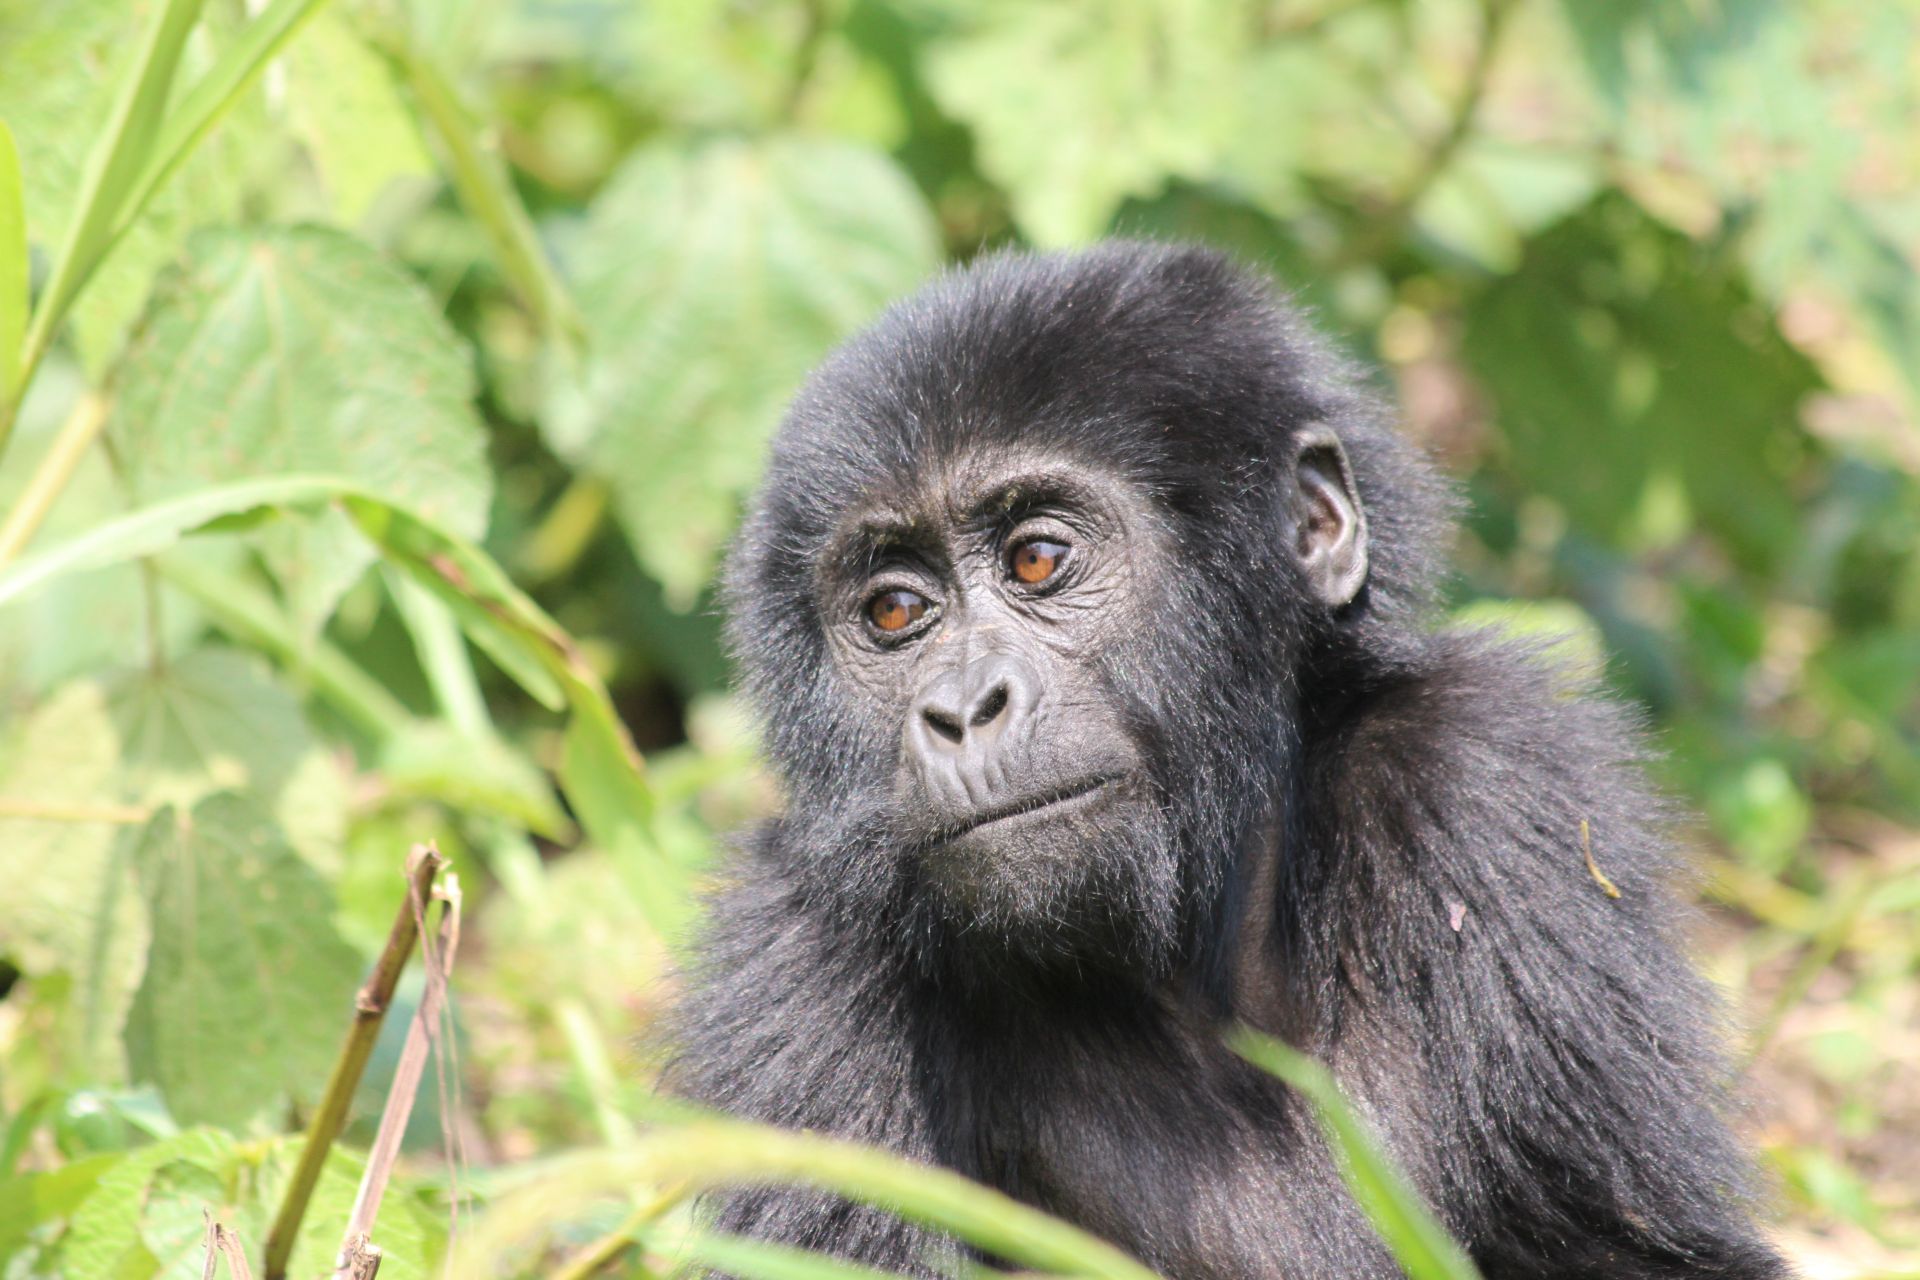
(344, 104)
(713, 276)
(1077, 106)
(601, 770)
(55, 96)
(72, 906)
(215, 720)
(34, 1202)
(156, 528)
(717, 1153)
(474, 774)
(301, 349)
(247, 980)
(1422, 1247)
(102, 620)
(1683, 39)
(14, 267)
(1639, 385)
(141, 1202)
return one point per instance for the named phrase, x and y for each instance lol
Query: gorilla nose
(965, 712)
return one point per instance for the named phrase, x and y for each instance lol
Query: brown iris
(1036, 560)
(897, 610)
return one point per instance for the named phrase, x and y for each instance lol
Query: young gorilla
(1085, 604)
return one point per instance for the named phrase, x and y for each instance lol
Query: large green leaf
(86, 623)
(301, 349)
(32, 1205)
(1078, 105)
(246, 978)
(1639, 384)
(71, 906)
(600, 769)
(712, 277)
(215, 720)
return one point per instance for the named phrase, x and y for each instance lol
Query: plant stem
(55, 471)
(370, 1006)
(484, 186)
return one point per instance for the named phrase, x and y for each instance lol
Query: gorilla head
(1027, 596)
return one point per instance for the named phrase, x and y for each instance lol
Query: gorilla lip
(1018, 808)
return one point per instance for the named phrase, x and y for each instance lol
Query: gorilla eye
(1036, 560)
(896, 610)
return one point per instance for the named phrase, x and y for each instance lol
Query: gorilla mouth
(1021, 807)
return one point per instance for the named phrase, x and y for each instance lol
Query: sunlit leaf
(301, 349)
(56, 94)
(1077, 106)
(344, 105)
(410, 1236)
(216, 720)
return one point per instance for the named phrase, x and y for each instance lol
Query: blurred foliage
(458, 327)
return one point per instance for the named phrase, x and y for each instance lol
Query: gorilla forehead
(1165, 364)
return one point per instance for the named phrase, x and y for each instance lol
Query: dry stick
(369, 1010)
(358, 1258)
(221, 1242)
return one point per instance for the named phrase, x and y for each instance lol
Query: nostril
(991, 706)
(943, 723)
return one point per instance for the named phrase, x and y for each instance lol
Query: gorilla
(1087, 606)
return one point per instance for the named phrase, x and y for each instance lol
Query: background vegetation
(451, 331)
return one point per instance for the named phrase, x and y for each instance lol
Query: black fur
(1363, 835)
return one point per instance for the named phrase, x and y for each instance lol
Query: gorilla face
(983, 618)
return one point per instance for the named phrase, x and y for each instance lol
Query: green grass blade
(112, 172)
(212, 97)
(1419, 1243)
(719, 1153)
(13, 268)
(755, 1260)
(486, 191)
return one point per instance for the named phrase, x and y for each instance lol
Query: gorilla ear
(1330, 537)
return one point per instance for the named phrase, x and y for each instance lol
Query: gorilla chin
(1079, 875)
